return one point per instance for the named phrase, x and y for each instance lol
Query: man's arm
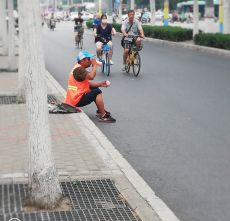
(113, 31)
(95, 32)
(98, 84)
(123, 29)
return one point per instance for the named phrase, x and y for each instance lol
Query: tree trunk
(226, 17)
(209, 16)
(153, 9)
(195, 18)
(120, 11)
(166, 12)
(3, 27)
(11, 51)
(21, 61)
(44, 188)
(132, 4)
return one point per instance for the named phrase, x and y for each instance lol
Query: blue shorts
(89, 97)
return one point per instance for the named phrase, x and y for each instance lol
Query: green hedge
(160, 32)
(216, 40)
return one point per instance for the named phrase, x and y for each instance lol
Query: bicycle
(134, 58)
(79, 36)
(104, 57)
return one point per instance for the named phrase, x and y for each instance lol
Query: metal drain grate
(12, 99)
(117, 214)
(52, 99)
(8, 99)
(92, 200)
(93, 194)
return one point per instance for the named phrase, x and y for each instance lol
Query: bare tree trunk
(44, 188)
(3, 27)
(132, 4)
(195, 18)
(153, 10)
(209, 16)
(11, 51)
(22, 61)
(120, 11)
(226, 17)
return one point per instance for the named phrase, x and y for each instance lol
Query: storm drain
(12, 99)
(92, 200)
(51, 99)
(8, 99)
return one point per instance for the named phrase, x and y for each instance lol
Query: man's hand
(94, 62)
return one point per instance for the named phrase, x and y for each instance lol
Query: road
(173, 120)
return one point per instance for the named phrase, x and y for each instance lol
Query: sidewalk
(81, 153)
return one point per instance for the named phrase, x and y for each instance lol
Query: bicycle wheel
(107, 64)
(127, 68)
(136, 64)
(103, 62)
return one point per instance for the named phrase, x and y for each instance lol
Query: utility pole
(195, 18)
(3, 27)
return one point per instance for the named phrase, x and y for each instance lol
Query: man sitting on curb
(81, 91)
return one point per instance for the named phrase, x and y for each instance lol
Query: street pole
(209, 16)
(226, 17)
(153, 9)
(11, 34)
(195, 18)
(221, 16)
(3, 27)
(166, 12)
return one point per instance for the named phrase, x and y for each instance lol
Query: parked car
(86, 15)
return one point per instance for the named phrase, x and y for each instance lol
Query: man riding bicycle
(103, 34)
(131, 27)
(78, 28)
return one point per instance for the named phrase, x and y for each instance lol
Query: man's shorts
(89, 97)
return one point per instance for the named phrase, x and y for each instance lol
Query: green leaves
(216, 40)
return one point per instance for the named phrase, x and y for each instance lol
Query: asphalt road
(173, 120)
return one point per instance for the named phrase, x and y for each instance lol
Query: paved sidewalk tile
(74, 154)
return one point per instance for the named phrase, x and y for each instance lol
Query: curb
(216, 51)
(142, 188)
